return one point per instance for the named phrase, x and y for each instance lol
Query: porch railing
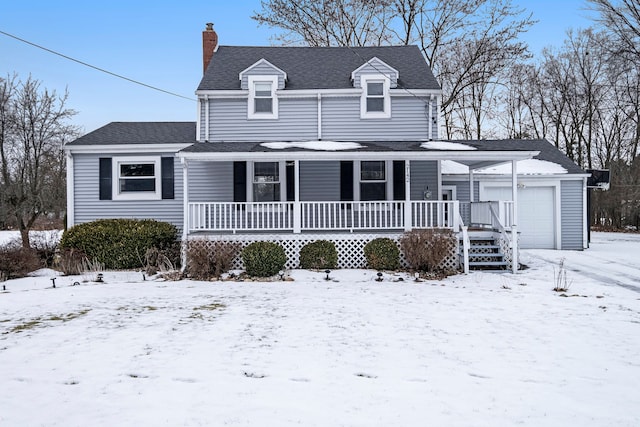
(231, 216)
(493, 214)
(320, 216)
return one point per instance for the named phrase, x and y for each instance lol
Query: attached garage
(537, 213)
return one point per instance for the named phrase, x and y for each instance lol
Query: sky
(160, 44)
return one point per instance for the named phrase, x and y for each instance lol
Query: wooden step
(487, 255)
(488, 263)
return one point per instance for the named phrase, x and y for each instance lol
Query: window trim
(252, 80)
(136, 195)
(281, 181)
(386, 86)
(388, 181)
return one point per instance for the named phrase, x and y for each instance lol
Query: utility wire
(95, 68)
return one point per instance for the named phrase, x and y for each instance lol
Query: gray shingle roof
(140, 133)
(547, 151)
(317, 67)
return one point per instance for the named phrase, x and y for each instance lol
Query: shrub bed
(17, 261)
(120, 243)
(207, 259)
(382, 254)
(425, 250)
(263, 259)
(318, 255)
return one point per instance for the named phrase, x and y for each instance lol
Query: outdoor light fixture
(417, 276)
(379, 279)
(99, 279)
(281, 273)
(327, 271)
(53, 280)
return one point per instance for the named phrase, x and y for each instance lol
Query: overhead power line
(96, 68)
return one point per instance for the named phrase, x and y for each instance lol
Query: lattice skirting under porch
(350, 247)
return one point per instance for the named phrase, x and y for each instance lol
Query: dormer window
(262, 103)
(375, 102)
(263, 100)
(375, 96)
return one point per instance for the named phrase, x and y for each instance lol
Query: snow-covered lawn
(479, 350)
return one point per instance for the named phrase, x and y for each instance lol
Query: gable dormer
(262, 79)
(375, 78)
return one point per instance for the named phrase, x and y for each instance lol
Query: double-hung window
(136, 178)
(266, 182)
(373, 180)
(262, 103)
(376, 101)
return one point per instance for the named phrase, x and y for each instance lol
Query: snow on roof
(313, 145)
(444, 145)
(525, 167)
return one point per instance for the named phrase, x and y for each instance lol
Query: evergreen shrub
(318, 255)
(263, 259)
(120, 243)
(382, 254)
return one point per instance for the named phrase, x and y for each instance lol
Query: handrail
(466, 243)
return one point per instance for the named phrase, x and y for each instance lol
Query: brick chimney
(209, 44)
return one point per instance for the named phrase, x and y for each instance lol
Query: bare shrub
(69, 261)
(17, 261)
(560, 278)
(45, 244)
(425, 250)
(207, 259)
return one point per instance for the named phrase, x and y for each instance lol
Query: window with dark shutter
(398, 180)
(346, 181)
(105, 178)
(167, 178)
(239, 181)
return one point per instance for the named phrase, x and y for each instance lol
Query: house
(295, 144)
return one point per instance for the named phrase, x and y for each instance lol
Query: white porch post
(297, 211)
(471, 185)
(185, 214)
(407, 196)
(514, 228)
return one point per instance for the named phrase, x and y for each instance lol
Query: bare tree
(467, 44)
(328, 22)
(621, 19)
(33, 127)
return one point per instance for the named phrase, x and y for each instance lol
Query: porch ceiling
(478, 156)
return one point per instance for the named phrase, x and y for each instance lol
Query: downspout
(430, 118)
(206, 118)
(199, 119)
(319, 116)
(70, 192)
(514, 227)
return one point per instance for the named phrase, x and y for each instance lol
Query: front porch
(350, 225)
(252, 189)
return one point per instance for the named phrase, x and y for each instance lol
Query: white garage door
(536, 214)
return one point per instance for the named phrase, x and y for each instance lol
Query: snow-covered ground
(484, 349)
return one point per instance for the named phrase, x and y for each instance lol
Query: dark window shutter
(167, 177)
(239, 181)
(291, 181)
(105, 178)
(346, 181)
(398, 180)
